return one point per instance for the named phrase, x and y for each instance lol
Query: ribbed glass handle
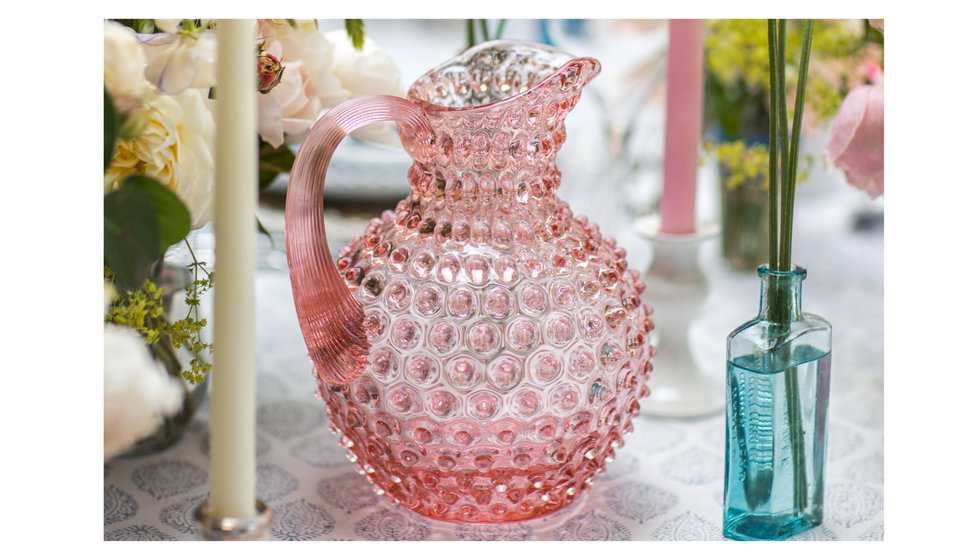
(329, 316)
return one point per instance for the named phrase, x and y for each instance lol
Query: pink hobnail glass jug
(481, 350)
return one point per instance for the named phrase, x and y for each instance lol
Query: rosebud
(270, 72)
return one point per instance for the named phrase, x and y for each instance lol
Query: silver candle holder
(213, 528)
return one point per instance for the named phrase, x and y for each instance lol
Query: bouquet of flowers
(159, 79)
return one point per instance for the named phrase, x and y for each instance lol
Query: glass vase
(744, 220)
(172, 278)
(777, 389)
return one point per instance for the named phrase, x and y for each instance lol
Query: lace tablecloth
(666, 483)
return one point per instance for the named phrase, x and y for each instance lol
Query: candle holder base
(213, 528)
(676, 288)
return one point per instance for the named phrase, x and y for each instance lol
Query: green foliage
(744, 164)
(737, 70)
(139, 309)
(273, 161)
(142, 311)
(471, 38)
(142, 218)
(139, 25)
(355, 30)
(186, 332)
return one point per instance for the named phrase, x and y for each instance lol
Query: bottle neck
(781, 297)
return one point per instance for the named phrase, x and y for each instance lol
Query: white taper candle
(236, 197)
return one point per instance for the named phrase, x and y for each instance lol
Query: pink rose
(857, 139)
(291, 108)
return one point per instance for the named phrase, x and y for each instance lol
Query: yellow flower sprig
(736, 54)
(142, 311)
(186, 332)
(742, 162)
(138, 310)
(746, 164)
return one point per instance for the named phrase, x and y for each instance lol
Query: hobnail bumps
(507, 340)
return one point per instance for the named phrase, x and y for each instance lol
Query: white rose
(167, 25)
(175, 148)
(369, 71)
(138, 392)
(123, 62)
(177, 62)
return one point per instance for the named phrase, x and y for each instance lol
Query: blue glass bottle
(776, 434)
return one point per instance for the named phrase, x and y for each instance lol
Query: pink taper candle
(685, 91)
(236, 197)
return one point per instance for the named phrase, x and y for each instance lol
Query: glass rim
(795, 273)
(561, 62)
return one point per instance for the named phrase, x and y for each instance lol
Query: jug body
(506, 342)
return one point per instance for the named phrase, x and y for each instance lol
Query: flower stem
(470, 33)
(783, 172)
(500, 29)
(786, 235)
(773, 148)
(783, 134)
(796, 439)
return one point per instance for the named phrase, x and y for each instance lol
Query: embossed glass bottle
(481, 350)
(778, 386)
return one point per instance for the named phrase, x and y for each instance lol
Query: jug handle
(330, 318)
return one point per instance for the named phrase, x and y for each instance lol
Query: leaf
(273, 161)
(131, 239)
(173, 219)
(142, 218)
(262, 230)
(111, 127)
(138, 25)
(355, 30)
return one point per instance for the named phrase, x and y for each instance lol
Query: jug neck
(781, 295)
(467, 189)
(496, 114)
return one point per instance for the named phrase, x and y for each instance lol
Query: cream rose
(175, 148)
(123, 62)
(178, 62)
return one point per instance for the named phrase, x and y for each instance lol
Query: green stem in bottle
(786, 238)
(794, 409)
(773, 148)
(796, 439)
(783, 133)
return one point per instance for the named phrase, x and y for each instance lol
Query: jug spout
(330, 317)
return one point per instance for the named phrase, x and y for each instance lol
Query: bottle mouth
(496, 72)
(795, 274)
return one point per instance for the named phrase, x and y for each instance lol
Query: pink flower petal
(857, 140)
